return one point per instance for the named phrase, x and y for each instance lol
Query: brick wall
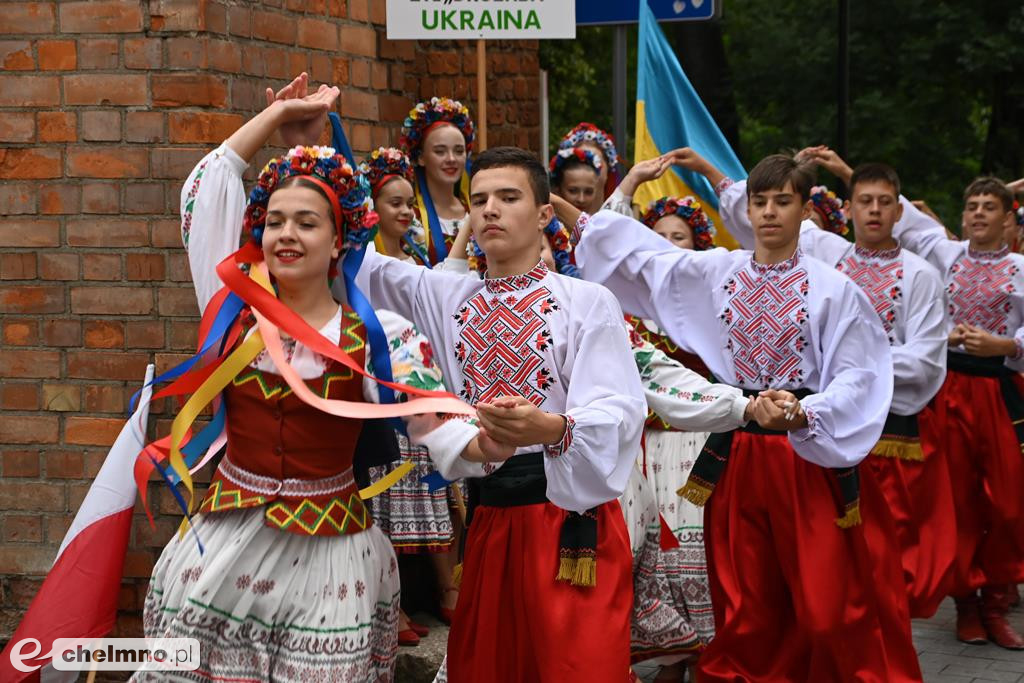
(105, 106)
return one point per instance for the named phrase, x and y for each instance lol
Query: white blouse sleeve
(684, 399)
(605, 413)
(619, 203)
(919, 363)
(212, 209)
(846, 415)
(926, 237)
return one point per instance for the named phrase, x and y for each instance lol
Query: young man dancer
(984, 426)
(547, 588)
(797, 593)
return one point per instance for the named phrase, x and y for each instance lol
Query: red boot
(968, 621)
(995, 603)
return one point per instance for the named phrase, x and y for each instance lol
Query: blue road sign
(594, 12)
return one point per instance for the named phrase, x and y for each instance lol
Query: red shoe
(420, 630)
(968, 622)
(995, 603)
(446, 614)
(408, 638)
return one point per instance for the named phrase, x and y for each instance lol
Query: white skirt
(270, 605)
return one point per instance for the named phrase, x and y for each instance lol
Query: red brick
(104, 334)
(17, 198)
(359, 10)
(360, 73)
(62, 397)
(117, 300)
(186, 53)
(184, 337)
(101, 267)
(144, 267)
(175, 163)
(216, 18)
(31, 299)
(404, 50)
(321, 35)
(359, 40)
(60, 198)
(89, 232)
(203, 126)
(65, 464)
(240, 21)
(177, 268)
(17, 127)
(340, 70)
(224, 55)
(18, 266)
(337, 8)
(277, 64)
(176, 15)
(107, 365)
(92, 431)
(165, 232)
(104, 398)
(24, 363)
(105, 89)
(144, 334)
(57, 55)
(359, 105)
(23, 529)
(100, 198)
(28, 17)
(16, 55)
(101, 126)
(97, 53)
(277, 28)
(144, 198)
(57, 126)
(177, 90)
(107, 162)
(62, 333)
(58, 266)
(379, 76)
(29, 91)
(57, 525)
(138, 563)
(101, 16)
(248, 94)
(21, 463)
(29, 233)
(19, 396)
(143, 53)
(20, 332)
(177, 301)
(144, 126)
(299, 61)
(27, 429)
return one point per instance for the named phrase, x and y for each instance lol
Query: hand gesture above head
(303, 115)
(828, 159)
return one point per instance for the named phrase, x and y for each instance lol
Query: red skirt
(514, 622)
(920, 498)
(987, 471)
(796, 598)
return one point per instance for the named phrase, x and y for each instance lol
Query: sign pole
(481, 92)
(619, 87)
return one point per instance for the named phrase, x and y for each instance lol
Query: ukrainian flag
(669, 115)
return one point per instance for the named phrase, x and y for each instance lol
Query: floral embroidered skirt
(669, 458)
(272, 605)
(414, 518)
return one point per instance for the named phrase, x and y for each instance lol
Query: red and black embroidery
(979, 290)
(880, 275)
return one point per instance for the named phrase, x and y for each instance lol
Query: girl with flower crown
(438, 136)
(587, 136)
(290, 580)
(575, 175)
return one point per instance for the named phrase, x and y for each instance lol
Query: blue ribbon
(338, 140)
(181, 502)
(416, 250)
(434, 481)
(433, 221)
(200, 443)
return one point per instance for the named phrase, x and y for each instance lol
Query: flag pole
(481, 93)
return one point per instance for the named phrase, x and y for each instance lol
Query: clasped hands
(776, 410)
(978, 342)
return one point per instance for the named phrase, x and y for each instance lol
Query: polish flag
(78, 598)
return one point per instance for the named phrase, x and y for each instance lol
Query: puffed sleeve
(919, 363)
(926, 237)
(619, 203)
(604, 413)
(212, 209)
(846, 415)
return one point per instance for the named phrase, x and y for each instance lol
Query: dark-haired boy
(559, 382)
(797, 594)
(984, 426)
(907, 294)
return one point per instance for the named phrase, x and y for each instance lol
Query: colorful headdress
(558, 239)
(830, 208)
(384, 164)
(426, 116)
(347, 192)
(588, 132)
(687, 208)
(1018, 214)
(564, 157)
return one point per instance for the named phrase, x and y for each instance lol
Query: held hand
(829, 160)
(642, 172)
(491, 450)
(301, 116)
(689, 159)
(770, 413)
(516, 421)
(956, 335)
(978, 342)
(1016, 185)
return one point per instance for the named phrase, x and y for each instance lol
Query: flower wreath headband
(563, 157)
(1018, 214)
(687, 208)
(588, 132)
(384, 165)
(426, 116)
(830, 208)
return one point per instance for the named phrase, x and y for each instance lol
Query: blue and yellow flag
(669, 115)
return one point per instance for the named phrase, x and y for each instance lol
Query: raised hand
(828, 159)
(302, 115)
(644, 171)
(689, 159)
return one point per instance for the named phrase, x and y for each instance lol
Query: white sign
(490, 19)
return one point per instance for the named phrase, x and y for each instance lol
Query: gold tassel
(695, 493)
(566, 569)
(457, 575)
(903, 450)
(586, 572)
(850, 519)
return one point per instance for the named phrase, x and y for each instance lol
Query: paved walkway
(944, 659)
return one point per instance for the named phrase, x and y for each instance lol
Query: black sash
(521, 481)
(901, 438)
(994, 367)
(714, 456)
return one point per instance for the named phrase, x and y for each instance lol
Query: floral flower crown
(830, 208)
(558, 239)
(425, 115)
(687, 208)
(384, 164)
(588, 132)
(357, 219)
(1018, 213)
(562, 158)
